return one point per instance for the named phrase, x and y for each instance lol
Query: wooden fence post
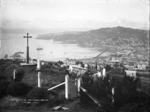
(113, 92)
(14, 74)
(39, 79)
(67, 87)
(104, 72)
(78, 85)
(39, 73)
(38, 65)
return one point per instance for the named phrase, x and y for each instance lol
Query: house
(131, 73)
(141, 67)
(70, 61)
(77, 68)
(115, 59)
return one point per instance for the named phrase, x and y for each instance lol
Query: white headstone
(39, 79)
(66, 86)
(104, 72)
(38, 64)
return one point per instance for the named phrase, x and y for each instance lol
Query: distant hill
(117, 36)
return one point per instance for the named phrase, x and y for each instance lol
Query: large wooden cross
(27, 46)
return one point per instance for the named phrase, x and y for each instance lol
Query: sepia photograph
(74, 55)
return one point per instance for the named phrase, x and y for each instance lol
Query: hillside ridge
(103, 36)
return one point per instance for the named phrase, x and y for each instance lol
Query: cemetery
(54, 85)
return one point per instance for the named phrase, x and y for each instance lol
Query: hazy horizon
(74, 15)
(57, 30)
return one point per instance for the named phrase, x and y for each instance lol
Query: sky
(73, 13)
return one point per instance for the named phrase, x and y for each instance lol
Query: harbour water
(52, 50)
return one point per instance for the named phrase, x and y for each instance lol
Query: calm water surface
(11, 43)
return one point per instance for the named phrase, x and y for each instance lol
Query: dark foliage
(86, 78)
(38, 93)
(3, 65)
(79, 62)
(125, 93)
(84, 99)
(3, 78)
(56, 71)
(55, 99)
(43, 93)
(101, 90)
(6, 69)
(18, 89)
(141, 104)
(19, 74)
(108, 68)
(3, 88)
(60, 62)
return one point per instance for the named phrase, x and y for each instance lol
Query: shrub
(84, 99)
(7, 70)
(19, 74)
(3, 78)
(125, 91)
(55, 99)
(43, 93)
(3, 88)
(38, 93)
(100, 89)
(18, 89)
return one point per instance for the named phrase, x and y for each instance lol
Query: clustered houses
(117, 68)
(137, 65)
(81, 67)
(131, 64)
(125, 58)
(70, 61)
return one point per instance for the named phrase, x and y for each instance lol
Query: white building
(77, 68)
(131, 73)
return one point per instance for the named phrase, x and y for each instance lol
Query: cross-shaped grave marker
(27, 46)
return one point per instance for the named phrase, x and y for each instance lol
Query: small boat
(39, 49)
(20, 52)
